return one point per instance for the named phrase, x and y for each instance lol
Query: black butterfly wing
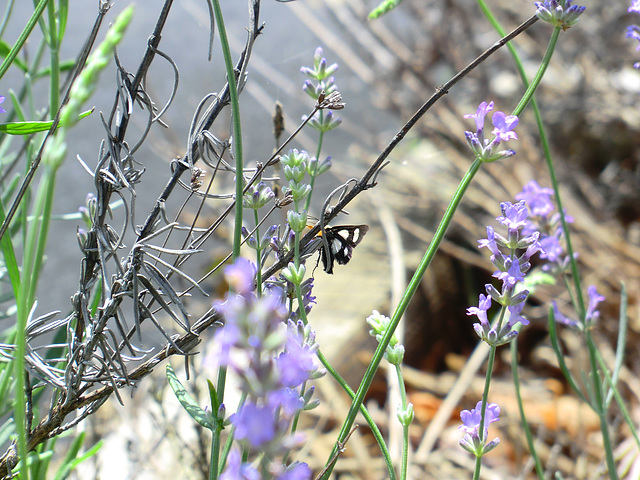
(342, 240)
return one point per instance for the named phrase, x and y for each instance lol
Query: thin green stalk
(35, 244)
(485, 396)
(42, 229)
(523, 417)
(230, 437)
(345, 386)
(6, 17)
(601, 410)
(405, 428)
(237, 142)
(619, 400)
(237, 129)
(528, 94)
(403, 304)
(214, 456)
(54, 55)
(34, 240)
(24, 35)
(9, 257)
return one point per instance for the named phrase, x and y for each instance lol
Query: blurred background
(388, 69)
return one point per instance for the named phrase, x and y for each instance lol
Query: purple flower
(559, 317)
(594, 299)
(513, 263)
(512, 275)
(514, 216)
(241, 276)
(288, 400)
(591, 316)
(503, 131)
(504, 125)
(471, 418)
(255, 424)
(236, 470)
(480, 311)
(479, 117)
(538, 199)
(551, 250)
(490, 243)
(296, 471)
(320, 69)
(2, 110)
(633, 31)
(296, 363)
(515, 316)
(473, 441)
(635, 6)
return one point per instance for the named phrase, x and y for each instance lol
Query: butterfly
(339, 245)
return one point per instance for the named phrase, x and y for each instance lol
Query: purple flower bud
(479, 117)
(481, 310)
(594, 299)
(559, 13)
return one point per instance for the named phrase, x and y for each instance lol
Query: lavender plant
(263, 333)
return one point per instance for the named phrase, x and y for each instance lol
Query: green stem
(528, 94)
(237, 129)
(523, 417)
(237, 142)
(600, 406)
(53, 43)
(404, 303)
(345, 386)
(13, 53)
(405, 428)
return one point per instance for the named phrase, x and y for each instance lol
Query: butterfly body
(339, 245)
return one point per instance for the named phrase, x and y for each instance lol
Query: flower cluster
(379, 326)
(512, 267)
(473, 441)
(325, 85)
(503, 124)
(559, 13)
(591, 316)
(322, 73)
(273, 357)
(2, 110)
(544, 219)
